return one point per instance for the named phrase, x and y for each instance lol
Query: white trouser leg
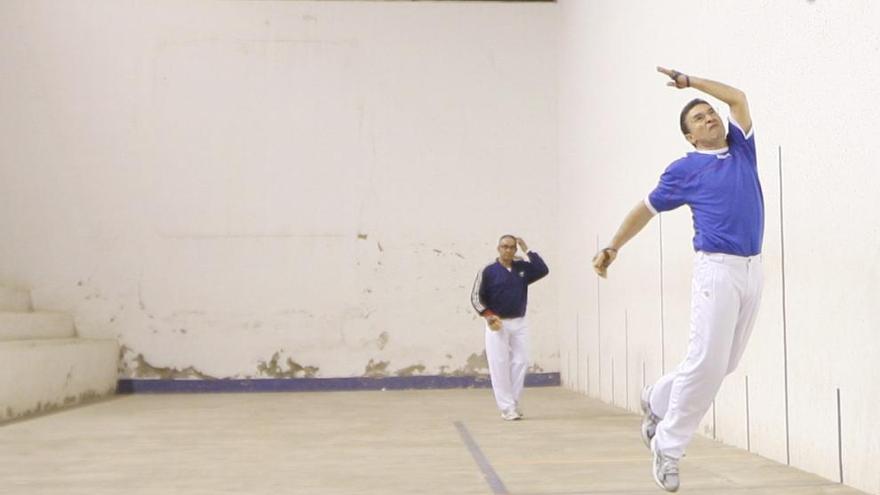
(748, 312)
(507, 353)
(724, 301)
(519, 355)
(659, 399)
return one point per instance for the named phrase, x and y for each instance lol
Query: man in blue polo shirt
(500, 295)
(719, 182)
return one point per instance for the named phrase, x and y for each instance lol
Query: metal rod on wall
(662, 317)
(598, 328)
(748, 422)
(626, 357)
(784, 315)
(577, 326)
(839, 439)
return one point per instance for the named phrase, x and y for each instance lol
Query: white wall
(218, 183)
(811, 71)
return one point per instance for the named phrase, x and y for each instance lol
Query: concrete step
(37, 325)
(37, 376)
(14, 299)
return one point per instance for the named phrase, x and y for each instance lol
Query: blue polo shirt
(504, 292)
(722, 189)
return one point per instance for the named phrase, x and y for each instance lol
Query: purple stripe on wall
(158, 386)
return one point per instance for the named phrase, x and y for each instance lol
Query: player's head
(507, 247)
(701, 125)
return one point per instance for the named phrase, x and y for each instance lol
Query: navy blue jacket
(505, 293)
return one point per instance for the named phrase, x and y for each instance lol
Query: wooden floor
(436, 442)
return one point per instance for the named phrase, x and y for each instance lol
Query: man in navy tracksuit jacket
(500, 295)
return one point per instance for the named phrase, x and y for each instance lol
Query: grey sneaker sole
(511, 417)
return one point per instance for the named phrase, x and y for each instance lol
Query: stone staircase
(44, 366)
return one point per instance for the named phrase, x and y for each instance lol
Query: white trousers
(507, 351)
(725, 296)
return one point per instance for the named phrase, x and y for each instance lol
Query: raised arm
(734, 98)
(536, 269)
(632, 224)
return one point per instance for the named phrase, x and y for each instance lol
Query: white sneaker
(665, 470)
(510, 415)
(649, 419)
(518, 411)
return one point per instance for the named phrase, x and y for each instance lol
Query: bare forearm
(733, 97)
(725, 93)
(632, 224)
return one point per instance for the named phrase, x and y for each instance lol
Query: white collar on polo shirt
(720, 152)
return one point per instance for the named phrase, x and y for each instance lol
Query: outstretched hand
(602, 260)
(679, 80)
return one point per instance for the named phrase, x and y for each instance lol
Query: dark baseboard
(140, 386)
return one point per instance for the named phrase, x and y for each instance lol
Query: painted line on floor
(489, 473)
(706, 489)
(613, 460)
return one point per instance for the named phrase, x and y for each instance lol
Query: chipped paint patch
(416, 369)
(294, 369)
(48, 407)
(382, 341)
(362, 237)
(476, 365)
(143, 369)
(376, 369)
(122, 368)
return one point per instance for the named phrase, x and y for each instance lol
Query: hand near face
(522, 244)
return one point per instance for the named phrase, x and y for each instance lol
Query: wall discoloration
(383, 340)
(294, 369)
(376, 369)
(48, 407)
(122, 369)
(535, 368)
(476, 365)
(214, 291)
(144, 369)
(416, 369)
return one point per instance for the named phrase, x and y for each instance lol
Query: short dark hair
(682, 119)
(506, 235)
